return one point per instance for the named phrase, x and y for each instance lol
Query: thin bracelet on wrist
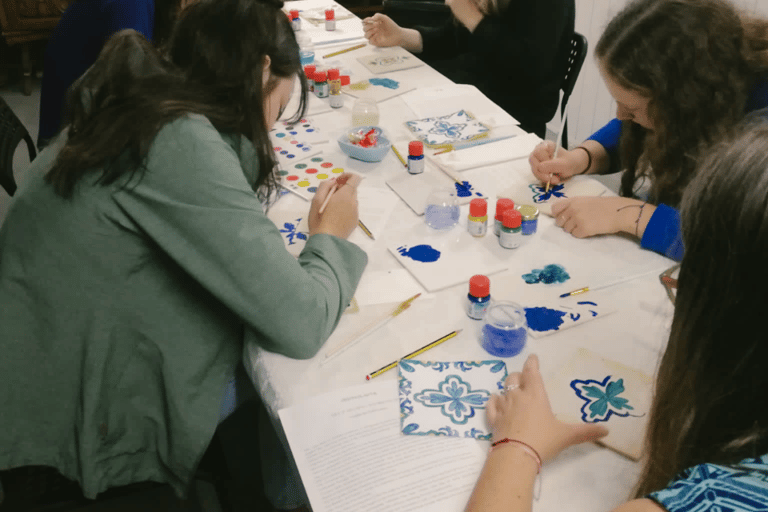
(528, 449)
(589, 158)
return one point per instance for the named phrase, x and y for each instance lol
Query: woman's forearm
(410, 39)
(506, 482)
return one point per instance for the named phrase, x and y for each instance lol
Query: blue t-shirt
(75, 44)
(712, 488)
(663, 233)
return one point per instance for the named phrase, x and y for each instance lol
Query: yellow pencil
(399, 156)
(365, 229)
(412, 355)
(345, 50)
(444, 151)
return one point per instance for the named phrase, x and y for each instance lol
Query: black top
(517, 59)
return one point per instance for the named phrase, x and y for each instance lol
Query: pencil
(365, 229)
(443, 151)
(412, 355)
(399, 156)
(345, 50)
(557, 143)
(372, 326)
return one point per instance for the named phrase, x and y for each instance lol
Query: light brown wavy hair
(697, 61)
(712, 388)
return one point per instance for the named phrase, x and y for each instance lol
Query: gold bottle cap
(528, 211)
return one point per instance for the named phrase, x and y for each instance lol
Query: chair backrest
(576, 59)
(12, 132)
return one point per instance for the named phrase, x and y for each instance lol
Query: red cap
(479, 286)
(333, 74)
(294, 13)
(309, 71)
(478, 207)
(320, 76)
(503, 205)
(344, 79)
(415, 148)
(512, 219)
(329, 14)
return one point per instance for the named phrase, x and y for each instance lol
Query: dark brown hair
(696, 60)
(216, 56)
(712, 387)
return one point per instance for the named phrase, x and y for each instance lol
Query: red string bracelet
(524, 446)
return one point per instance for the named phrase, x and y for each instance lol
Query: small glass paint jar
(442, 209)
(295, 20)
(309, 72)
(415, 157)
(330, 20)
(365, 112)
(306, 49)
(502, 205)
(477, 222)
(511, 234)
(530, 216)
(479, 296)
(504, 331)
(334, 86)
(321, 84)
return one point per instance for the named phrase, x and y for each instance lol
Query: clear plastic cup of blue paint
(442, 208)
(504, 331)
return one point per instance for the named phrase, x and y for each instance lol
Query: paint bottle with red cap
(330, 20)
(295, 20)
(415, 157)
(309, 72)
(502, 205)
(321, 84)
(511, 233)
(334, 84)
(477, 222)
(479, 297)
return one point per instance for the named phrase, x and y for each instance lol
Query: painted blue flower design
(548, 275)
(540, 194)
(439, 367)
(601, 399)
(448, 130)
(455, 398)
(291, 232)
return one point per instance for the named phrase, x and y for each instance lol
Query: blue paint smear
(385, 82)
(464, 189)
(544, 319)
(548, 275)
(587, 302)
(423, 253)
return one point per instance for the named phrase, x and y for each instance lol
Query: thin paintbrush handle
(557, 143)
(340, 182)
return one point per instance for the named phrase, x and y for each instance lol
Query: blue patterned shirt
(712, 488)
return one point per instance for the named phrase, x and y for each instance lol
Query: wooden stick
(345, 50)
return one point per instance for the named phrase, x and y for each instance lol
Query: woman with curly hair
(706, 446)
(683, 74)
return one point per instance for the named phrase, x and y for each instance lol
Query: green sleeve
(195, 203)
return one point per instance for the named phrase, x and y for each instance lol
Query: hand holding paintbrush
(334, 207)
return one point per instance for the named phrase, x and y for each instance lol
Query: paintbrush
(557, 144)
(340, 182)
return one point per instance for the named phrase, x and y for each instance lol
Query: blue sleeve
(608, 136)
(122, 14)
(663, 233)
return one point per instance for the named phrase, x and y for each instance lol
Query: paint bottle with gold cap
(530, 216)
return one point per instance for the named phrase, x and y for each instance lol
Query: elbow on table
(300, 339)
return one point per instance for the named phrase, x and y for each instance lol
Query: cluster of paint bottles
(512, 224)
(326, 84)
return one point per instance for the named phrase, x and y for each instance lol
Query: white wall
(590, 106)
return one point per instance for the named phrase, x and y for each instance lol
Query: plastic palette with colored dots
(303, 131)
(303, 178)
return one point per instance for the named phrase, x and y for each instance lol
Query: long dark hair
(216, 57)
(697, 61)
(712, 387)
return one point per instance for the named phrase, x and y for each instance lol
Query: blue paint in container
(504, 330)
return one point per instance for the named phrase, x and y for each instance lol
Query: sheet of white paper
(352, 456)
(414, 189)
(389, 59)
(386, 286)
(488, 154)
(442, 100)
(375, 205)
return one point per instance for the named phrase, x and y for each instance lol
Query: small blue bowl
(372, 154)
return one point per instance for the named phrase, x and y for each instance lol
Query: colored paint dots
(303, 183)
(282, 173)
(317, 159)
(311, 171)
(337, 170)
(312, 189)
(301, 166)
(326, 165)
(281, 135)
(322, 176)
(292, 178)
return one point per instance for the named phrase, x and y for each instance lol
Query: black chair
(12, 132)
(576, 59)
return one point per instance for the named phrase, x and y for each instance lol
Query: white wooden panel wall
(590, 106)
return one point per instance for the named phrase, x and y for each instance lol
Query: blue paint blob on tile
(548, 275)
(385, 82)
(423, 253)
(544, 319)
(464, 189)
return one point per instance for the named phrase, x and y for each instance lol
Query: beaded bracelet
(524, 446)
(589, 158)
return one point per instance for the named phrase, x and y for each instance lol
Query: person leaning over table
(514, 51)
(706, 447)
(683, 74)
(138, 253)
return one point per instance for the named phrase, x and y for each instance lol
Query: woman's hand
(589, 216)
(380, 30)
(467, 12)
(340, 215)
(523, 413)
(546, 167)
